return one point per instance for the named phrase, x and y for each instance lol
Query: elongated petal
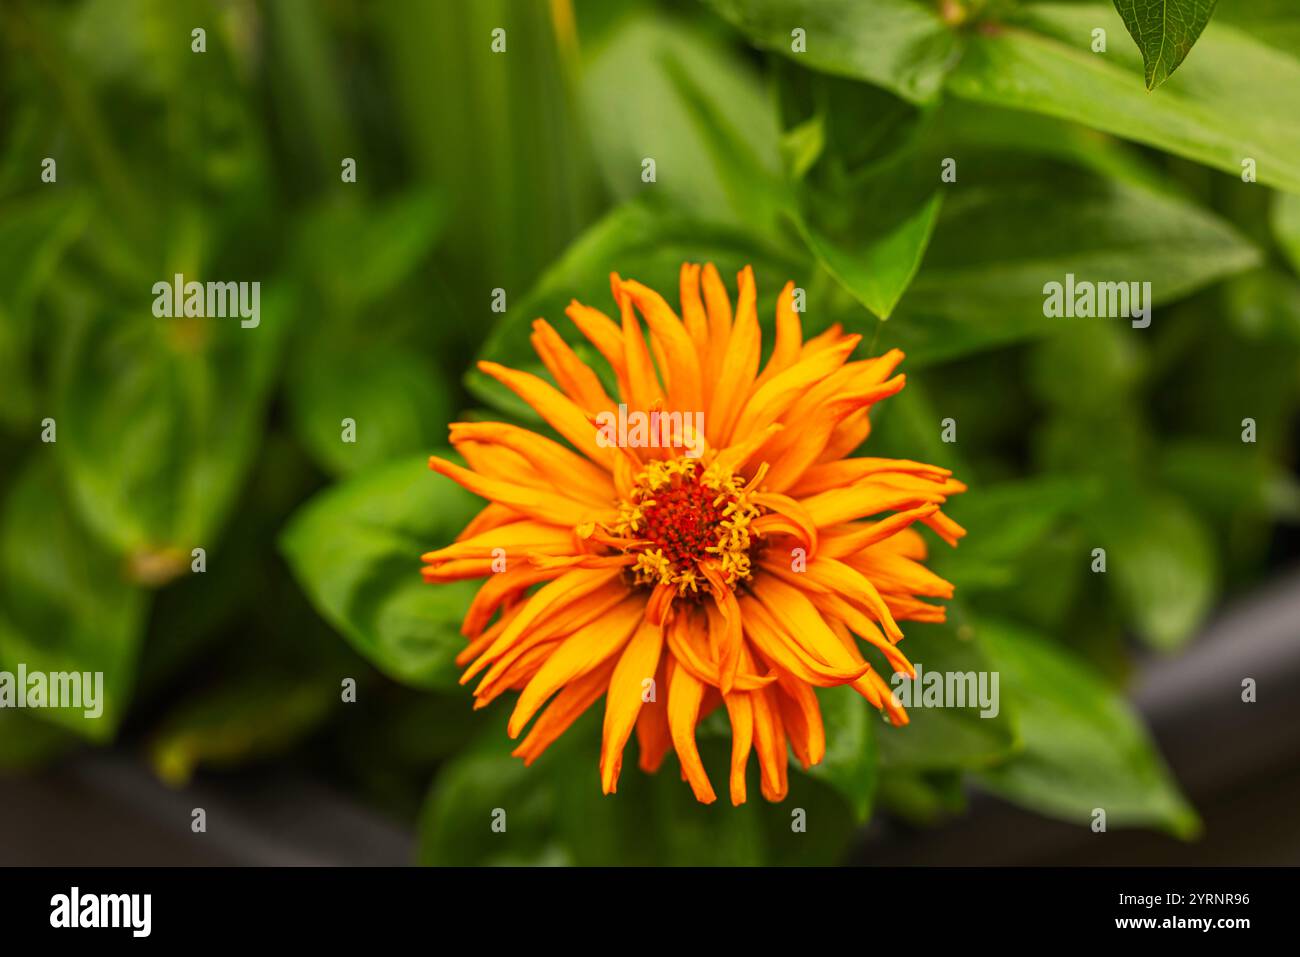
(559, 411)
(637, 665)
(684, 697)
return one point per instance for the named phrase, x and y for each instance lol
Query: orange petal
(571, 473)
(774, 398)
(534, 502)
(559, 411)
(576, 655)
(740, 710)
(684, 696)
(739, 364)
(579, 382)
(770, 743)
(639, 662)
(565, 708)
(682, 364)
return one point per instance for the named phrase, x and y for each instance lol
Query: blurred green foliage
(520, 171)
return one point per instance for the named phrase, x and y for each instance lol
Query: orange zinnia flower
(734, 568)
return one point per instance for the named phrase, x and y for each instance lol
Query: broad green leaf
(661, 90)
(355, 550)
(1164, 31)
(1090, 368)
(1084, 749)
(1160, 562)
(64, 602)
(638, 242)
(1234, 100)
(850, 762)
(872, 240)
(158, 422)
(481, 787)
(941, 737)
(1229, 479)
(240, 722)
(1019, 225)
(902, 45)
(960, 127)
(397, 400)
(1004, 522)
(357, 252)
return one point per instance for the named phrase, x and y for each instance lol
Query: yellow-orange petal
(739, 364)
(579, 382)
(685, 695)
(559, 411)
(770, 744)
(574, 656)
(682, 364)
(565, 708)
(536, 503)
(740, 711)
(570, 473)
(637, 664)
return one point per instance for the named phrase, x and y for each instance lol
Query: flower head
(706, 542)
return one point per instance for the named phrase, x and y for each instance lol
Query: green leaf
(902, 45)
(937, 738)
(64, 603)
(1234, 100)
(158, 422)
(872, 239)
(1005, 521)
(1164, 31)
(1229, 479)
(397, 399)
(994, 249)
(355, 550)
(850, 762)
(1160, 562)
(237, 723)
(358, 252)
(1083, 746)
(660, 89)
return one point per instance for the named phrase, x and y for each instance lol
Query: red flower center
(683, 521)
